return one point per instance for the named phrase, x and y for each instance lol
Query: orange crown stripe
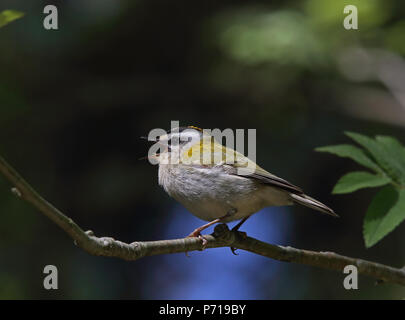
(196, 128)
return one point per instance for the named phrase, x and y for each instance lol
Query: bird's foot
(197, 234)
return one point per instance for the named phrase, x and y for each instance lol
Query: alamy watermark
(51, 280)
(51, 20)
(195, 146)
(350, 282)
(350, 21)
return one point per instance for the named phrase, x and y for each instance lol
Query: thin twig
(222, 237)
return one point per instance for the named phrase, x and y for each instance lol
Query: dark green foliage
(7, 16)
(386, 157)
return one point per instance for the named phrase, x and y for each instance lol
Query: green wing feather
(236, 163)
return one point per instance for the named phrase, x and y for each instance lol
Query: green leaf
(384, 155)
(7, 16)
(396, 150)
(357, 180)
(385, 213)
(352, 152)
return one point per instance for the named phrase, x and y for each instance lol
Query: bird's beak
(155, 155)
(153, 140)
(152, 156)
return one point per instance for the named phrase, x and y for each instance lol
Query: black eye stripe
(177, 141)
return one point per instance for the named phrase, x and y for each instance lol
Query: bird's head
(179, 138)
(178, 141)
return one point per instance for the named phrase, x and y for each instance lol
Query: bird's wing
(263, 176)
(211, 153)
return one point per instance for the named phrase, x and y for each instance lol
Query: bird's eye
(185, 139)
(173, 141)
(170, 143)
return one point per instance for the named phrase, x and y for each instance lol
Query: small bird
(219, 184)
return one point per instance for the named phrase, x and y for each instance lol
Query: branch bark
(222, 237)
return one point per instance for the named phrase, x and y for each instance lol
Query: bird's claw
(203, 240)
(197, 234)
(241, 233)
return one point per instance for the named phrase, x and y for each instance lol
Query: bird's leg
(197, 232)
(236, 228)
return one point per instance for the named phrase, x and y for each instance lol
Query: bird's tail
(312, 203)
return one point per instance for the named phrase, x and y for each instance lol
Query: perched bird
(219, 184)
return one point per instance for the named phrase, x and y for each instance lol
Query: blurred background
(74, 102)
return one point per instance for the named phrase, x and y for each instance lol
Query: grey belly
(210, 196)
(211, 208)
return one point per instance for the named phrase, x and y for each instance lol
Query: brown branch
(222, 237)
